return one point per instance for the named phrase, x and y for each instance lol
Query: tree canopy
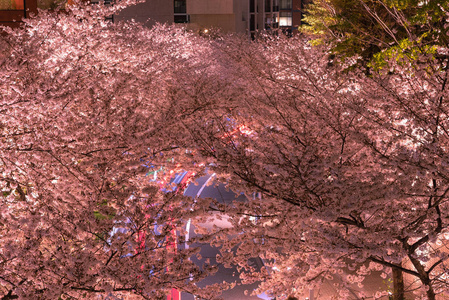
(346, 175)
(350, 169)
(373, 30)
(80, 98)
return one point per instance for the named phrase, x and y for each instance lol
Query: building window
(11, 5)
(180, 10)
(285, 18)
(182, 19)
(252, 23)
(271, 21)
(180, 6)
(267, 5)
(252, 6)
(275, 5)
(285, 4)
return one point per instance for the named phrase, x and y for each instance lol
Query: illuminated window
(285, 18)
(11, 4)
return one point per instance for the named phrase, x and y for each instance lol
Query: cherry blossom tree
(83, 102)
(350, 170)
(345, 174)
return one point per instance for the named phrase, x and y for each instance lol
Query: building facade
(13, 11)
(243, 16)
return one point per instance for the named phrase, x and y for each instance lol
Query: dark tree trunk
(398, 284)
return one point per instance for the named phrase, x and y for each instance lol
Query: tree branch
(391, 265)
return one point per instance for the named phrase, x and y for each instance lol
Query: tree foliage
(345, 175)
(366, 28)
(81, 99)
(351, 170)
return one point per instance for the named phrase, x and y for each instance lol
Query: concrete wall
(241, 15)
(228, 15)
(149, 13)
(226, 22)
(296, 20)
(210, 7)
